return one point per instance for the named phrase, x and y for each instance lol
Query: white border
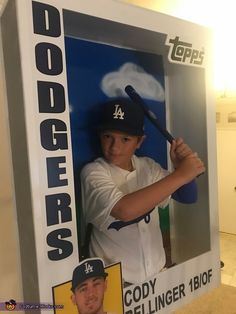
(51, 274)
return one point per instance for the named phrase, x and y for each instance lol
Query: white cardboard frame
(40, 274)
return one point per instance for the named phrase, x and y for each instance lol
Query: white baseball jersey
(138, 246)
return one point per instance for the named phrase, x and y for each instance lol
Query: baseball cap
(88, 268)
(122, 115)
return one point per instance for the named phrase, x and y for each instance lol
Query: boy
(121, 193)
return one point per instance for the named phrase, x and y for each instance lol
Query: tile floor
(228, 256)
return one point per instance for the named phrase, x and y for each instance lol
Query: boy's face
(118, 147)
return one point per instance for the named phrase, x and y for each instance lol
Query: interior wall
(226, 157)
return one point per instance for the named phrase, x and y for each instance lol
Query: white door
(226, 155)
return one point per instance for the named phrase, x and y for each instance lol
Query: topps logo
(182, 52)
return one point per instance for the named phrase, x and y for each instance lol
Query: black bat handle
(150, 114)
(152, 117)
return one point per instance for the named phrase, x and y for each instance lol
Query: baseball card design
(79, 141)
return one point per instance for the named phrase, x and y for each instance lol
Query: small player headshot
(89, 283)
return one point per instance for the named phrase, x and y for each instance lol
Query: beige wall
(226, 156)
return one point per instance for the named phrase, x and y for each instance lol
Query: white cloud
(113, 84)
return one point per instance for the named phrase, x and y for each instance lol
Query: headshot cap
(88, 268)
(123, 115)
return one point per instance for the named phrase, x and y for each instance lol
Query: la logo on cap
(118, 113)
(88, 268)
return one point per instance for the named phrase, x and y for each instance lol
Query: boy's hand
(178, 151)
(185, 160)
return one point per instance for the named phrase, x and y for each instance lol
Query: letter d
(46, 19)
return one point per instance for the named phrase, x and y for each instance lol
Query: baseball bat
(131, 92)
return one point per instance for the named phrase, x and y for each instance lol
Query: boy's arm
(138, 203)
(187, 193)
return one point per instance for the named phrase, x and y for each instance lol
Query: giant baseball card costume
(138, 243)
